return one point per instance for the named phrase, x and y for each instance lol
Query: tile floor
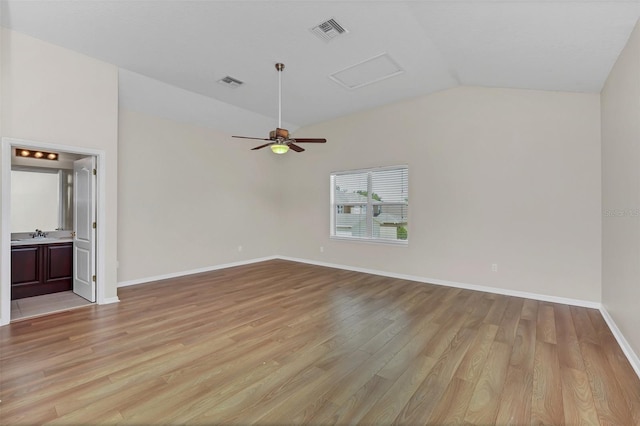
(40, 305)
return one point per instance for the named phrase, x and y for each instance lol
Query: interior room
(412, 212)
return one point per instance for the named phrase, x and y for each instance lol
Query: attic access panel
(367, 72)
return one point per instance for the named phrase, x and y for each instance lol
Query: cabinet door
(59, 261)
(26, 265)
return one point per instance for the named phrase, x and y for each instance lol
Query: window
(371, 204)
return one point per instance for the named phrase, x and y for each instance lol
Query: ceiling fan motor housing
(279, 133)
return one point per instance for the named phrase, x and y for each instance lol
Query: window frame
(369, 206)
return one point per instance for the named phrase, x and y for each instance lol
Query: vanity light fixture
(41, 155)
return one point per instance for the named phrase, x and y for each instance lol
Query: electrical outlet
(321, 249)
(494, 267)
(239, 248)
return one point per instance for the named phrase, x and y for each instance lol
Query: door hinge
(93, 278)
(94, 225)
(95, 172)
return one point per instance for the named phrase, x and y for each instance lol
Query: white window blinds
(371, 204)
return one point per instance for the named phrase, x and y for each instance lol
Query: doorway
(88, 249)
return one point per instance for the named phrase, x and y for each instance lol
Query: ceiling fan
(279, 139)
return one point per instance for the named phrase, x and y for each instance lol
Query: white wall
(621, 191)
(56, 96)
(189, 196)
(496, 176)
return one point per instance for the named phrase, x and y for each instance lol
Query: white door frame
(5, 241)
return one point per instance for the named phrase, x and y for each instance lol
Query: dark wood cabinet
(41, 269)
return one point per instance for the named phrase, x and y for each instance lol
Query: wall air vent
(230, 82)
(328, 30)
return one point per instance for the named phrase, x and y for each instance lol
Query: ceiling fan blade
(261, 146)
(310, 140)
(295, 147)
(247, 137)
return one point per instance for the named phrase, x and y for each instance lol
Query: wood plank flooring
(286, 343)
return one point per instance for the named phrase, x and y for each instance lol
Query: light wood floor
(286, 343)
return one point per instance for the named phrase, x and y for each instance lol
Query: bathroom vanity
(41, 267)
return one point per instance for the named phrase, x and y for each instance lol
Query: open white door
(84, 240)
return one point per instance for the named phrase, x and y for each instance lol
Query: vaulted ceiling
(187, 46)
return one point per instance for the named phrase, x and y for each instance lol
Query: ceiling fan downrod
(279, 67)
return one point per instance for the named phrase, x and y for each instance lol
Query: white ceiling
(187, 46)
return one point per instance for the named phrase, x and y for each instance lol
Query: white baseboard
(495, 290)
(194, 271)
(633, 358)
(109, 300)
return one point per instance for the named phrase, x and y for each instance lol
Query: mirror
(41, 199)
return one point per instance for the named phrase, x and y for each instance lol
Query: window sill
(397, 243)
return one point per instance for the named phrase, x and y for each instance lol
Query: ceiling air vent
(328, 30)
(230, 82)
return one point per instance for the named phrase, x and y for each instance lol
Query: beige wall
(621, 191)
(189, 196)
(1, 70)
(496, 176)
(54, 95)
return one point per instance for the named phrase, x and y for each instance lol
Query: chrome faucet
(39, 234)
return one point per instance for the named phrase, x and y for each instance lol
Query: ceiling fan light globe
(277, 148)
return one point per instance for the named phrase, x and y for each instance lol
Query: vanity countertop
(32, 241)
